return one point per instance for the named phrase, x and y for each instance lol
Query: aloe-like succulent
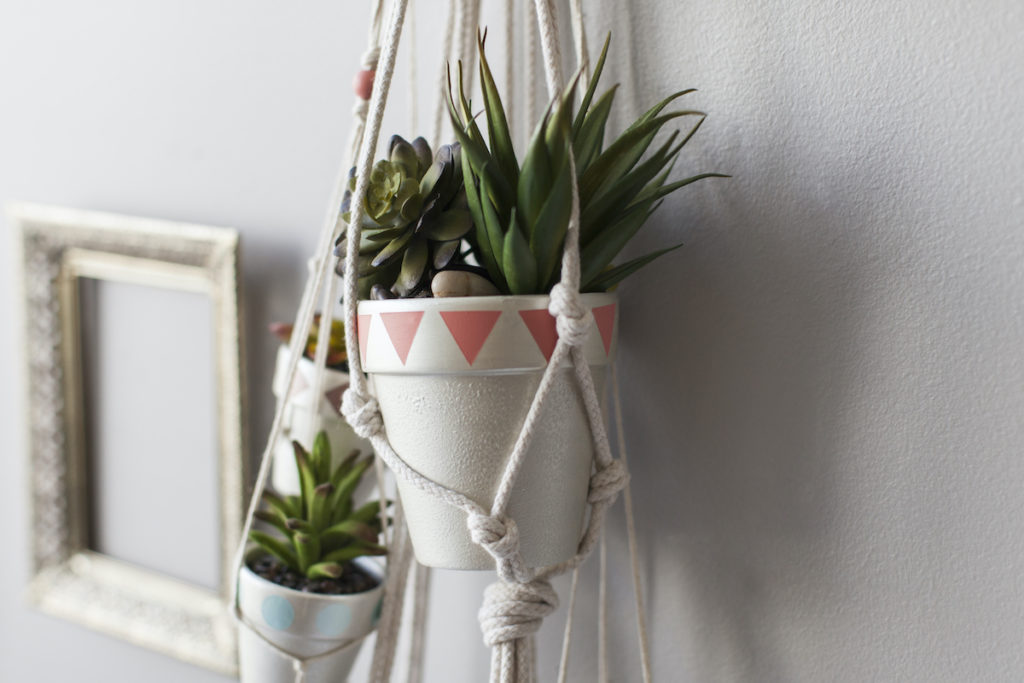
(337, 356)
(318, 531)
(415, 217)
(521, 212)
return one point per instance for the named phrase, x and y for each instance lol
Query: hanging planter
(454, 378)
(455, 374)
(328, 630)
(309, 590)
(305, 414)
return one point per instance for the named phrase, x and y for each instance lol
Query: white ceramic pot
(304, 417)
(455, 378)
(303, 624)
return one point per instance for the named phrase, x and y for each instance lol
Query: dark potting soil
(353, 579)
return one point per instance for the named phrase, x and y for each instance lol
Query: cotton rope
(563, 667)
(579, 34)
(515, 606)
(634, 555)
(417, 646)
(300, 332)
(442, 79)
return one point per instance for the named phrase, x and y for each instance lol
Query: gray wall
(823, 388)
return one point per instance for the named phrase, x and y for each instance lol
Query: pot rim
(476, 334)
(378, 570)
(416, 303)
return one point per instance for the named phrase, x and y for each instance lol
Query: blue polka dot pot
(304, 625)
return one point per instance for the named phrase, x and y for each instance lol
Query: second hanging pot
(455, 378)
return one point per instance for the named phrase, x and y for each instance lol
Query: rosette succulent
(415, 218)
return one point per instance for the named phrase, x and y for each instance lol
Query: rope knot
(499, 536)
(606, 483)
(570, 315)
(514, 610)
(360, 108)
(362, 413)
(370, 58)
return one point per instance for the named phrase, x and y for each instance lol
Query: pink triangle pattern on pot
(470, 329)
(604, 316)
(363, 329)
(542, 326)
(402, 327)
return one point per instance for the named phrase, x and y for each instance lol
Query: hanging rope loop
(514, 610)
(570, 315)
(362, 413)
(607, 482)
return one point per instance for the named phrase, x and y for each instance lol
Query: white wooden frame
(60, 246)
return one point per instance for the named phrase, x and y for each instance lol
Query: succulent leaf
(317, 530)
(518, 261)
(611, 277)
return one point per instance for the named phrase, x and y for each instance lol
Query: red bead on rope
(362, 84)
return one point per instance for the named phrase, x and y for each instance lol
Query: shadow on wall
(736, 359)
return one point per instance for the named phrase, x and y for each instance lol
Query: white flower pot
(304, 417)
(305, 625)
(455, 378)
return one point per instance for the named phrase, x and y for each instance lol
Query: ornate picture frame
(69, 579)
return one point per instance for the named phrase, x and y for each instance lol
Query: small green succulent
(318, 530)
(415, 217)
(521, 212)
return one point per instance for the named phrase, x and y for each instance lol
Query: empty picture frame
(66, 253)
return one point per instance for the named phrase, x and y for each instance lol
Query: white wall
(824, 388)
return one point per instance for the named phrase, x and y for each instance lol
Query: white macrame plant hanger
(515, 606)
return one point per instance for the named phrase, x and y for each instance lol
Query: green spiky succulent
(521, 212)
(318, 531)
(415, 217)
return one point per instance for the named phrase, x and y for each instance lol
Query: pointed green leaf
(351, 552)
(325, 570)
(518, 261)
(275, 547)
(610, 204)
(341, 500)
(449, 225)
(307, 479)
(494, 232)
(607, 244)
(547, 235)
(367, 513)
(657, 109)
(621, 156)
(414, 264)
(307, 550)
(322, 456)
(655, 192)
(497, 124)
(588, 142)
(444, 252)
(393, 249)
(535, 180)
(609, 278)
(282, 506)
(344, 467)
(577, 125)
(273, 519)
